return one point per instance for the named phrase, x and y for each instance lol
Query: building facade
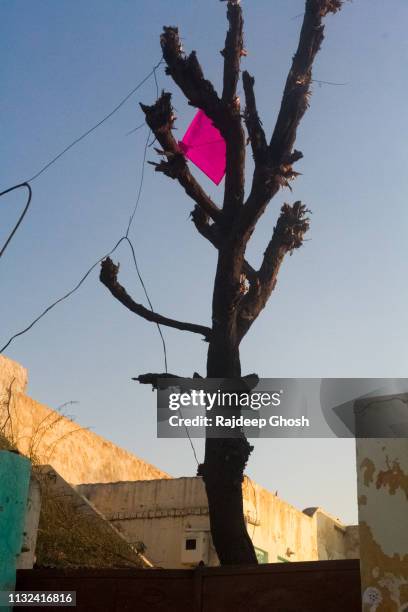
(169, 520)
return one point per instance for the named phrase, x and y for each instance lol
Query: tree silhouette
(240, 291)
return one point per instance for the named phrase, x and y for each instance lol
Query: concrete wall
(334, 539)
(47, 437)
(161, 513)
(277, 527)
(154, 513)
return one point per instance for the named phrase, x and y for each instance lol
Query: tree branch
(155, 379)
(252, 121)
(287, 236)
(232, 129)
(187, 73)
(108, 276)
(276, 170)
(207, 230)
(296, 94)
(160, 118)
(267, 181)
(234, 45)
(250, 380)
(224, 113)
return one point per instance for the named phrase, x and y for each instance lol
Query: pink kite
(205, 147)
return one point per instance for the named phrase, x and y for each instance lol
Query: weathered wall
(14, 484)
(353, 541)
(154, 513)
(159, 513)
(382, 468)
(334, 539)
(277, 527)
(48, 437)
(26, 558)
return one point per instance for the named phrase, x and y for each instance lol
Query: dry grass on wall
(39, 446)
(69, 536)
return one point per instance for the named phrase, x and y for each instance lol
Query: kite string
(62, 298)
(99, 123)
(123, 238)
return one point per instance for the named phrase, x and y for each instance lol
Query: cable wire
(70, 146)
(139, 193)
(102, 121)
(188, 436)
(23, 214)
(148, 145)
(328, 82)
(88, 272)
(61, 299)
(132, 216)
(138, 127)
(148, 300)
(125, 237)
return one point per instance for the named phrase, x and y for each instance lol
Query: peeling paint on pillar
(14, 482)
(382, 473)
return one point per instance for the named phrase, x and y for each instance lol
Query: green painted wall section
(15, 473)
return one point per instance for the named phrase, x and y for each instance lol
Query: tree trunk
(223, 471)
(226, 458)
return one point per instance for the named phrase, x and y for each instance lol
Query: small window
(191, 544)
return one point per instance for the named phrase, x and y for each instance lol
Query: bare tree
(240, 291)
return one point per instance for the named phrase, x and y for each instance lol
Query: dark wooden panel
(115, 590)
(318, 586)
(285, 587)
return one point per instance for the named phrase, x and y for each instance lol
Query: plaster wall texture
(12, 373)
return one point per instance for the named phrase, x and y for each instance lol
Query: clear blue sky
(339, 309)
